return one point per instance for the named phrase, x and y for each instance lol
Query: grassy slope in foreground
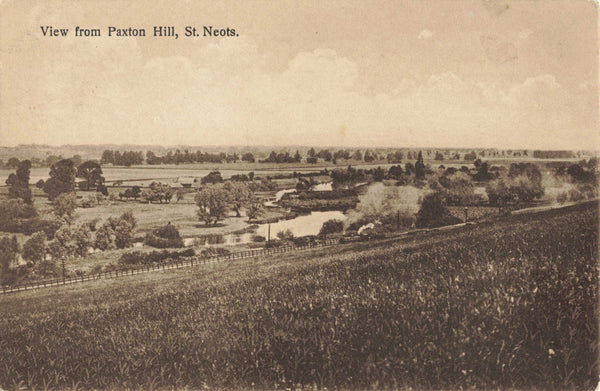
(512, 304)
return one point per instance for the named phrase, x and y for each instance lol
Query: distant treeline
(132, 157)
(553, 154)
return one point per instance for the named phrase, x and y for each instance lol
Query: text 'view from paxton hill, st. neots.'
(157, 31)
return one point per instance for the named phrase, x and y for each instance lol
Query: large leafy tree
(213, 177)
(419, 166)
(64, 206)
(331, 226)
(158, 192)
(9, 249)
(347, 178)
(433, 212)
(19, 182)
(66, 244)
(248, 157)
(116, 232)
(254, 209)
(92, 173)
(239, 195)
(62, 179)
(34, 249)
(213, 204)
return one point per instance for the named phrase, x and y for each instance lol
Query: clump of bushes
(116, 232)
(331, 226)
(285, 235)
(19, 217)
(164, 237)
(31, 226)
(273, 243)
(305, 240)
(153, 257)
(434, 213)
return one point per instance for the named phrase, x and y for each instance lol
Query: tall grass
(507, 305)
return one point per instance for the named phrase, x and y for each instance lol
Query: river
(304, 225)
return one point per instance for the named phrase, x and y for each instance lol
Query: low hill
(509, 304)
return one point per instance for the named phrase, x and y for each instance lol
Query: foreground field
(509, 304)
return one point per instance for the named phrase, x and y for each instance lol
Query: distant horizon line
(239, 146)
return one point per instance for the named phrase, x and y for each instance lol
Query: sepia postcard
(299, 195)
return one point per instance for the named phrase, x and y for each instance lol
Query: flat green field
(510, 304)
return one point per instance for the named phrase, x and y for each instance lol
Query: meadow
(509, 304)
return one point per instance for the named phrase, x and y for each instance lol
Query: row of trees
(179, 157)
(13, 162)
(62, 179)
(349, 177)
(282, 157)
(118, 158)
(64, 173)
(128, 158)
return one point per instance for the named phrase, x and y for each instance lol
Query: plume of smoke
(380, 201)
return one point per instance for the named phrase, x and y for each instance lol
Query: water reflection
(299, 226)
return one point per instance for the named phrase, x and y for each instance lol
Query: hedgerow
(153, 257)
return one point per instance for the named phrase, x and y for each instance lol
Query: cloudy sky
(517, 74)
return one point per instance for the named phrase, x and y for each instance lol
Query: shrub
(304, 241)
(16, 209)
(213, 177)
(89, 201)
(331, 226)
(30, 226)
(146, 258)
(164, 237)
(285, 235)
(34, 249)
(433, 213)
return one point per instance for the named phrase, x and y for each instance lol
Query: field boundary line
(185, 262)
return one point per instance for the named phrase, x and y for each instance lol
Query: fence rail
(174, 264)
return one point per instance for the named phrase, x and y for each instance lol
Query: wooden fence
(174, 264)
